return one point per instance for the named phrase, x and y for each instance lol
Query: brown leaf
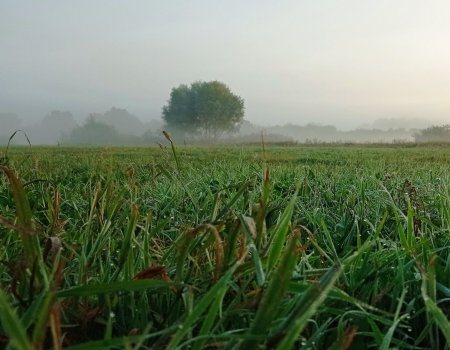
(347, 337)
(52, 246)
(154, 272)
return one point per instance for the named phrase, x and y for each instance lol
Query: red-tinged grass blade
(55, 326)
(186, 246)
(45, 309)
(272, 297)
(279, 236)
(13, 327)
(11, 225)
(263, 205)
(174, 151)
(24, 216)
(202, 305)
(113, 287)
(305, 308)
(345, 340)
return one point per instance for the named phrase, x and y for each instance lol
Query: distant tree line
(198, 113)
(115, 126)
(434, 134)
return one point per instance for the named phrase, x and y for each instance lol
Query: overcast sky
(341, 62)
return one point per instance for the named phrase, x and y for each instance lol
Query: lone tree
(205, 108)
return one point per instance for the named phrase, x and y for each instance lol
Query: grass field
(319, 247)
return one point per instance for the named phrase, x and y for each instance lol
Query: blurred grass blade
(233, 200)
(202, 305)
(260, 276)
(24, 216)
(106, 288)
(174, 151)
(279, 236)
(126, 244)
(397, 319)
(329, 241)
(434, 311)
(187, 245)
(208, 323)
(12, 325)
(263, 205)
(273, 296)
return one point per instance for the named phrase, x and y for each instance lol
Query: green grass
(318, 247)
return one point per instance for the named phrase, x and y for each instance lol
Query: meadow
(245, 247)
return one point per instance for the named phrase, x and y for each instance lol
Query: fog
(350, 64)
(117, 126)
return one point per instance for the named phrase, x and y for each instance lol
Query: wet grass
(322, 247)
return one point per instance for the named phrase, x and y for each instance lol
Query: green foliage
(179, 247)
(206, 108)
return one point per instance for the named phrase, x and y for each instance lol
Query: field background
(310, 247)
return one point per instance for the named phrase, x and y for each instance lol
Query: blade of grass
(106, 288)
(279, 236)
(202, 305)
(397, 319)
(434, 311)
(306, 307)
(272, 297)
(24, 216)
(13, 327)
(260, 276)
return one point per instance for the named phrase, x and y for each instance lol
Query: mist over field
(349, 65)
(119, 127)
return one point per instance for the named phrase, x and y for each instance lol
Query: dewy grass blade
(305, 307)
(126, 244)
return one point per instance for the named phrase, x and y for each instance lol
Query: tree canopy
(93, 132)
(206, 108)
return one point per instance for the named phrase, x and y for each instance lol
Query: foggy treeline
(115, 126)
(119, 127)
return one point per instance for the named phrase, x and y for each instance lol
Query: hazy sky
(342, 62)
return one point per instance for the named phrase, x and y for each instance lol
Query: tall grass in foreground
(314, 248)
